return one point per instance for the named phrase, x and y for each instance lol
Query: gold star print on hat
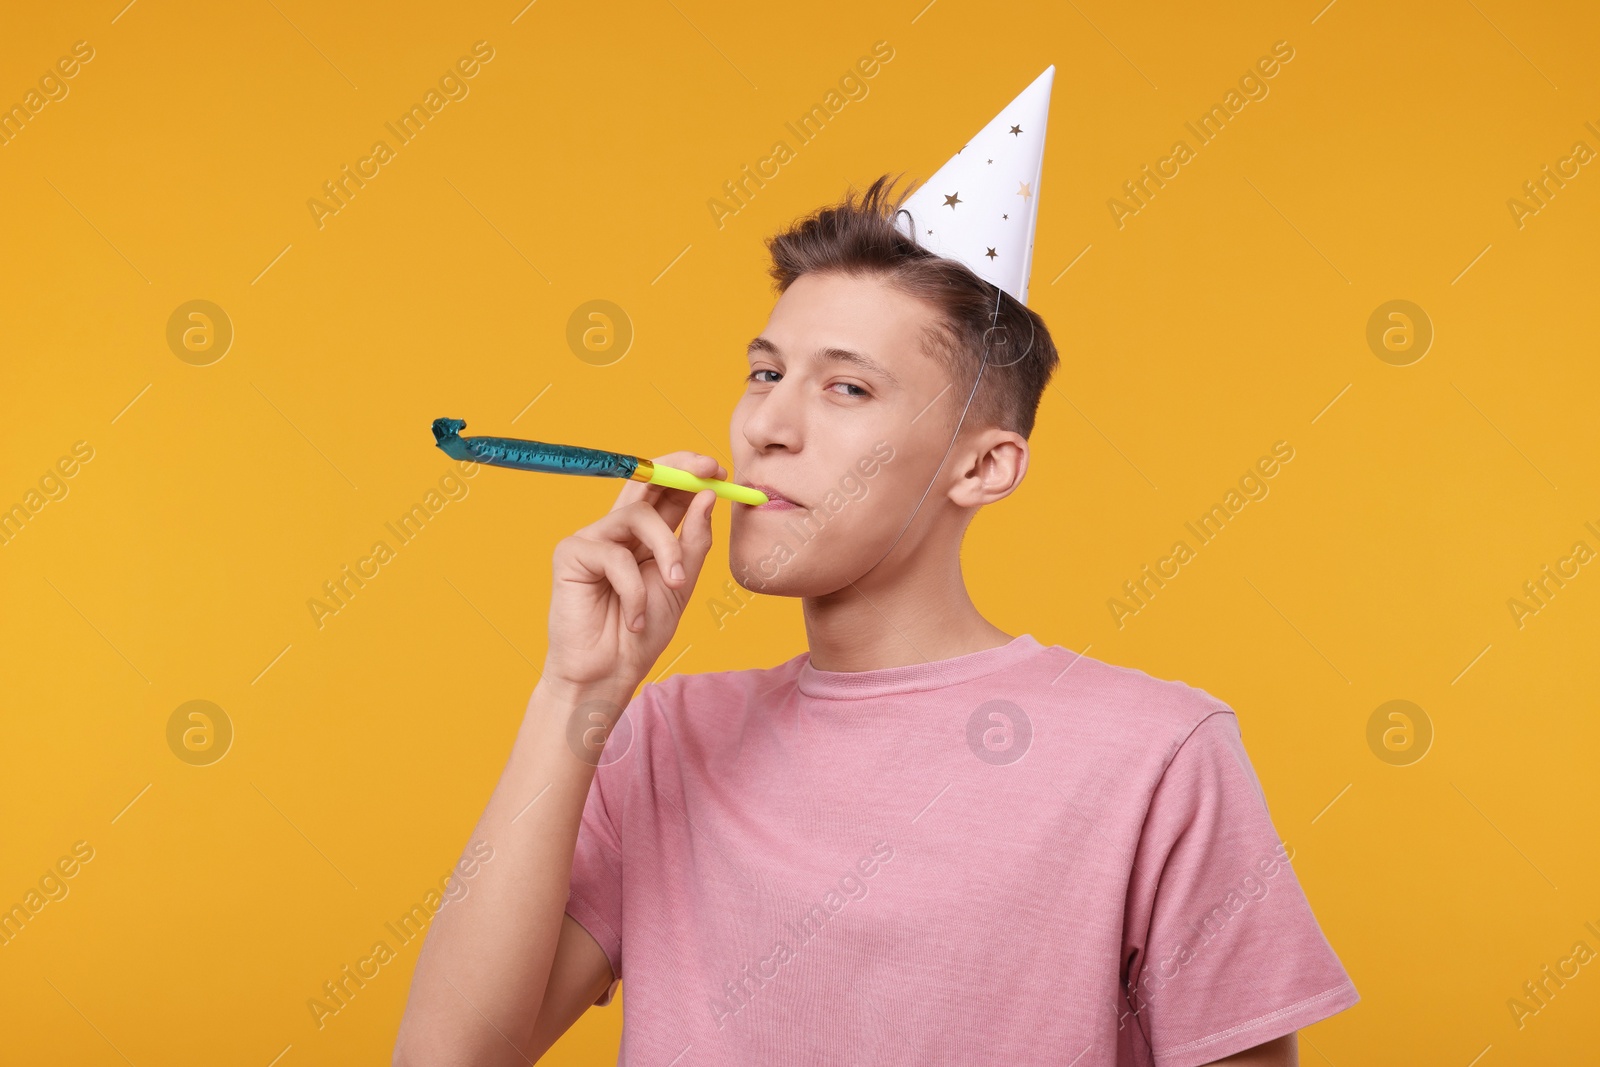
(982, 206)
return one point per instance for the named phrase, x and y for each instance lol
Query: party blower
(573, 459)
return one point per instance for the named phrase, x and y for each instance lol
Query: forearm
(483, 969)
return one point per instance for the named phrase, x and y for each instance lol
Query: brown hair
(860, 239)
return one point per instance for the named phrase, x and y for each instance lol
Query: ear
(992, 466)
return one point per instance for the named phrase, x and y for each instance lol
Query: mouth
(776, 501)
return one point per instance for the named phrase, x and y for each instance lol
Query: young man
(925, 840)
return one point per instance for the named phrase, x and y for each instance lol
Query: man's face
(853, 443)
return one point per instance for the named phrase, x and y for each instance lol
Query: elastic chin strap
(988, 341)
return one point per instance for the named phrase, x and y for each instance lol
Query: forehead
(861, 314)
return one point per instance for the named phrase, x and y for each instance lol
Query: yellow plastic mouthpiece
(673, 478)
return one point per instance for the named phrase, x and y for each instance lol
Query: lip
(776, 501)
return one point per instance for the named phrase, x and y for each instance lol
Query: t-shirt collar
(913, 677)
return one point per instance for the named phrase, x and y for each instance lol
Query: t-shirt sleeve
(595, 897)
(1222, 950)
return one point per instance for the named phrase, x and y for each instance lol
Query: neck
(882, 621)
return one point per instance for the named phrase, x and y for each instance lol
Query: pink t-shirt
(1018, 856)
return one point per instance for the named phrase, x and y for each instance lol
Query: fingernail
(638, 622)
(677, 572)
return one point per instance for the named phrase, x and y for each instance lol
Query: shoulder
(678, 723)
(676, 687)
(713, 695)
(1128, 691)
(1128, 707)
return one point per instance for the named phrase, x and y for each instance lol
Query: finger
(623, 573)
(696, 535)
(614, 564)
(673, 504)
(641, 530)
(632, 490)
(695, 463)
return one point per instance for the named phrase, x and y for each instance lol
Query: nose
(773, 420)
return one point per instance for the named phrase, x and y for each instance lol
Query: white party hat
(982, 207)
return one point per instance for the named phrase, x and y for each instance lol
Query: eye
(751, 377)
(859, 391)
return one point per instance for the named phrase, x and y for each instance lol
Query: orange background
(1229, 313)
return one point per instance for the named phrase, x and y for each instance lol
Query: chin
(796, 575)
(788, 584)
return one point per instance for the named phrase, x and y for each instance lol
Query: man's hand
(628, 567)
(1279, 1052)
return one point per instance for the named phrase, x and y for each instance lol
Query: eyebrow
(830, 353)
